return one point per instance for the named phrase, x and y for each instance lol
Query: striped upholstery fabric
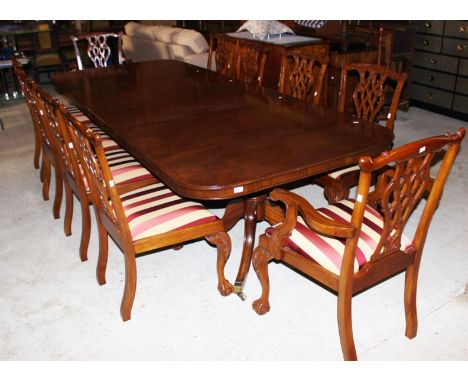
(328, 251)
(155, 209)
(339, 173)
(124, 168)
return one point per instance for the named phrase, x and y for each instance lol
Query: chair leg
(86, 230)
(223, 245)
(411, 282)
(45, 177)
(345, 326)
(58, 191)
(103, 254)
(37, 147)
(68, 210)
(260, 258)
(130, 285)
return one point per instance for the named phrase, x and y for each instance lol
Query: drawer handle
(426, 42)
(429, 95)
(430, 78)
(433, 61)
(463, 29)
(428, 25)
(461, 47)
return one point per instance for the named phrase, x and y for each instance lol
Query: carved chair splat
(98, 48)
(302, 76)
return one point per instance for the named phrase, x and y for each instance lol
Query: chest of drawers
(440, 71)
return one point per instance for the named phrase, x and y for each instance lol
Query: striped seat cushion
(339, 173)
(107, 142)
(125, 168)
(155, 209)
(328, 251)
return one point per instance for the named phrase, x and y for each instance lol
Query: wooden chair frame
(22, 79)
(112, 221)
(302, 76)
(399, 188)
(98, 49)
(369, 98)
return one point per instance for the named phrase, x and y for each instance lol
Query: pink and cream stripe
(339, 173)
(328, 251)
(155, 209)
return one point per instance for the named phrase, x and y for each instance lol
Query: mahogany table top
(208, 137)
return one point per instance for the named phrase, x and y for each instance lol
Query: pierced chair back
(98, 49)
(357, 243)
(376, 85)
(222, 48)
(250, 63)
(302, 76)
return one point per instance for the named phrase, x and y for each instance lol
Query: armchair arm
(296, 204)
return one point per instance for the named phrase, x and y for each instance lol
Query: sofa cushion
(185, 37)
(138, 30)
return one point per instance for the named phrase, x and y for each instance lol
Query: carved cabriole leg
(411, 282)
(345, 324)
(223, 244)
(103, 254)
(46, 177)
(130, 284)
(85, 230)
(68, 210)
(37, 147)
(335, 193)
(260, 260)
(58, 191)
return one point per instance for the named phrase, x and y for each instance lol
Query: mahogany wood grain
(210, 137)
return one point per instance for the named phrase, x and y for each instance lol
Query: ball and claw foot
(225, 288)
(261, 307)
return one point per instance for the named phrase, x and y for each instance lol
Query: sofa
(157, 42)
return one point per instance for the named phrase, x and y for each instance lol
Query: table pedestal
(253, 210)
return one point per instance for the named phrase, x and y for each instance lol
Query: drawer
(436, 62)
(428, 43)
(430, 26)
(463, 70)
(456, 29)
(460, 103)
(438, 80)
(462, 86)
(432, 96)
(456, 47)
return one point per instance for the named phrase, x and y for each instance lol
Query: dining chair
(250, 63)
(375, 97)
(221, 53)
(355, 244)
(302, 76)
(22, 79)
(236, 59)
(142, 220)
(98, 49)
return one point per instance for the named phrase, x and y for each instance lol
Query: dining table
(210, 137)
